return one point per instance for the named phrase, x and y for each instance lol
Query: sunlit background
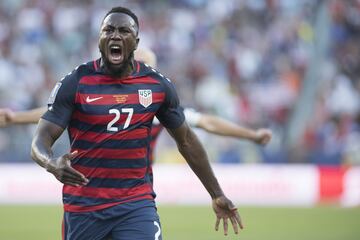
(289, 65)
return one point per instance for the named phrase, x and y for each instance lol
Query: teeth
(115, 47)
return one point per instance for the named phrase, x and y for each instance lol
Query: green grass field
(180, 222)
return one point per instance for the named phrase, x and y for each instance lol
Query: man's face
(118, 39)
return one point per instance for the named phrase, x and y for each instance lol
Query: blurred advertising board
(258, 185)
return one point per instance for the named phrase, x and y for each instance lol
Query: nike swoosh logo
(89, 100)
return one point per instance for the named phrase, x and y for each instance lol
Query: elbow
(186, 141)
(34, 149)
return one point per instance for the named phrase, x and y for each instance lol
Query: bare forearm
(31, 116)
(45, 136)
(41, 151)
(224, 127)
(196, 157)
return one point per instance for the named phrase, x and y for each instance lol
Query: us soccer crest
(145, 97)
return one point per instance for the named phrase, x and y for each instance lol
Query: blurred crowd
(244, 60)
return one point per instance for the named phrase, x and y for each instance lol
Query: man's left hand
(225, 210)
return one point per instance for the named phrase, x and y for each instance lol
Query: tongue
(116, 57)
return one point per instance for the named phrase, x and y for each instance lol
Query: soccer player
(108, 106)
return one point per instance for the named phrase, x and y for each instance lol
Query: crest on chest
(145, 97)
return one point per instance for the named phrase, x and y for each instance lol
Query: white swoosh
(89, 100)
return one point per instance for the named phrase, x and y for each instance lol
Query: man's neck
(120, 72)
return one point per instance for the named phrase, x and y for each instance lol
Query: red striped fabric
(105, 119)
(155, 130)
(111, 99)
(129, 173)
(100, 79)
(97, 137)
(107, 193)
(76, 208)
(134, 153)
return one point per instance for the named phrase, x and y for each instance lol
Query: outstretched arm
(9, 117)
(220, 126)
(45, 136)
(195, 155)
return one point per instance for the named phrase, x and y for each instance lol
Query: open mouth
(115, 55)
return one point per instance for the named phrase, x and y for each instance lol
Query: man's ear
(137, 43)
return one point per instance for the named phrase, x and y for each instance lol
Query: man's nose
(116, 34)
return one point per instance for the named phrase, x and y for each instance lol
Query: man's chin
(117, 69)
(116, 65)
(116, 62)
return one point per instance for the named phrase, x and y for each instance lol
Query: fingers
(2, 121)
(264, 136)
(71, 155)
(225, 222)
(76, 176)
(75, 173)
(217, 224)
(234, 224)
(72, 183)
(3, 118)
(225, 210)
(238, 219)
(69, 175)
(267, 135)
(265, 140)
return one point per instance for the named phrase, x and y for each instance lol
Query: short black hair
(123, 10)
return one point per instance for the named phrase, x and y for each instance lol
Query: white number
(115, 111)
(112, 122)
(130, 112)
(158, 233)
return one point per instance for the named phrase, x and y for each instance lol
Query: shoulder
(153, 73)
(68, 84)
(81, 70)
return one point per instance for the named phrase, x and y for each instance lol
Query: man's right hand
(62, 170)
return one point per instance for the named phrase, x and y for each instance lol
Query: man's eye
(125, 30)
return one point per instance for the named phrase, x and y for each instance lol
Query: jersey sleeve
(61, 101)
(170, 114)
(192, 116)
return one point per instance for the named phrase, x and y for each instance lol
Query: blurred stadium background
(290, 65)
